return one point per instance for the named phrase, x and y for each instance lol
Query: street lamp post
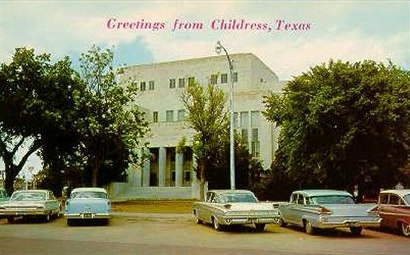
(218, 49)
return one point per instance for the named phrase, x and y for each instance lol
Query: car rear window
(234, 198)
(28, 196)
(331, 200)
(88, 194)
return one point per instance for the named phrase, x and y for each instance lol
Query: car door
(389, 211)
(294, 209)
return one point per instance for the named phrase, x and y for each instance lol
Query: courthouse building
(166, 173)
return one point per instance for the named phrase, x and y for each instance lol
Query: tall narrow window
(172, 83)
(151, 85)
(170, 116)
(155, 117)
(244, 136)
(254, 118)
(191, 81)
(255, 145)
(224, 78)
(214, 79)
(235, 77)
(181, 82)
(143, 86)
(244, 119)
(181, 115)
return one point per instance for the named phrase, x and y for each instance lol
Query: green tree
(111, 125)
(343, 124)
(207, 115)
(32, 106)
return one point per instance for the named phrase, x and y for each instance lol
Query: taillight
(228, 206)
(324, 210)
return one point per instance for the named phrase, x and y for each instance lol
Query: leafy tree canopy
(343, 124)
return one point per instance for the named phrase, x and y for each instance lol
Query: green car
(3, 195)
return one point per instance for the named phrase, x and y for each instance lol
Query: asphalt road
(166, 234)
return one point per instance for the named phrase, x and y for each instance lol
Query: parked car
(30, 203)
(88, 204)
(394, 209)
(230, 207)
(3, 195)
(328, 209)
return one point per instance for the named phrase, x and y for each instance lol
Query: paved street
(167, 234)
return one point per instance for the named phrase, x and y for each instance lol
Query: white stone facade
(161, 85)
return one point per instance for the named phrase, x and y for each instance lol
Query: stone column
(179, 165)
(146, 168)
(162, 165)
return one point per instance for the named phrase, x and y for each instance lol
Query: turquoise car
(87, 204)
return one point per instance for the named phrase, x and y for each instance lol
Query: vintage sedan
(30, 204)
(88, 204)
(229, 207)
(328, 209)
(394, 209)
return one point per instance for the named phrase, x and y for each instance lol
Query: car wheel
(405, 229)
(356, 230)
(282, 222)
(197, 220)
(308, 228)
(47, 217)
(216, 224)
(10, 220)
(260, 227)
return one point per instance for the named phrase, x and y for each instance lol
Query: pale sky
(346, 30)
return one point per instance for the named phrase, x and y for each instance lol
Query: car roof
(400, 192)
(84, 189)
(230, 191)
(31, 190)
(322, 192)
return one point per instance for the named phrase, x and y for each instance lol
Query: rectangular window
(255, 149)
(181, 115)
(255, 135)
(254, 118)
(244, 136)
(191, 81)
(244, 119)
(214, 79)
(170, 116)
(155, 117)
(235, 120)
(187, 177)
(143, 86)
(151, 85)
(224, 78)
(172, 83)
(181, 82)
(235, 77)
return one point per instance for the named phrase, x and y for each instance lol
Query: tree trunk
(11, 173)
(202, 181)
(95, 165)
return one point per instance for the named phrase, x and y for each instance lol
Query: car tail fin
(324, 210)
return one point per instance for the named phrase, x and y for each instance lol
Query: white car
(30, 204)
(233, 207)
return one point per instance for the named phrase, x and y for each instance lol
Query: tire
(405, 229)
(216, 224)
(260, 227)
(47, 217)
(281, 222)
(309, 229)
(198, 221)
(10, 220)
(357, 231)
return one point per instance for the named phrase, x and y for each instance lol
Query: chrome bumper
(87, 216)
(248, 220)
(347, 224)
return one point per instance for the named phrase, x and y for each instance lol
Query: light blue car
(87, 204)
(328, 209)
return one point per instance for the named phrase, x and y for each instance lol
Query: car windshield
(331, 200)
(88, 194)
(407, 199)
(235, 198)
(28, 196)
